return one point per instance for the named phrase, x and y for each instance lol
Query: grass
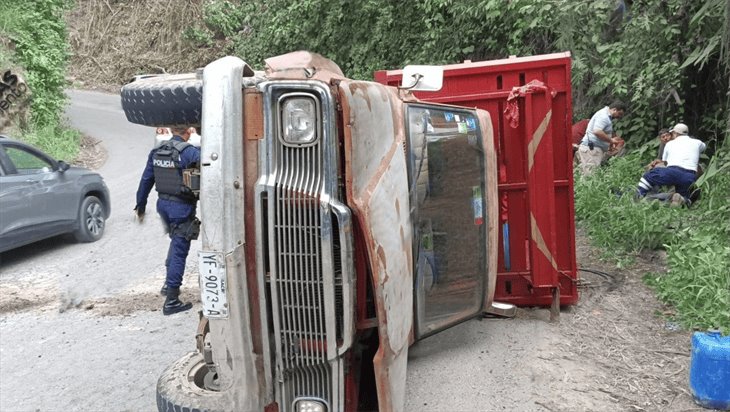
(697, 239)
(58, 141)
(51, 136)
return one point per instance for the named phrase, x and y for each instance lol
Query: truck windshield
(446, 164)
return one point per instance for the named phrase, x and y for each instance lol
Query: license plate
(213, 284)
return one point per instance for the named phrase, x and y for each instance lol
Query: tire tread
(163, 100)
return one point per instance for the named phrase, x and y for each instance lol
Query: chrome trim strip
(221, 208)
(344, 222)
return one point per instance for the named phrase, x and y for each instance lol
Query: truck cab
(342, 221)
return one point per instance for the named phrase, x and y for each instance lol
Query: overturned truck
(343, 220)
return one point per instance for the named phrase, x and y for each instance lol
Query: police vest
(168, 172)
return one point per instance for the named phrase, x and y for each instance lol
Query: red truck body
(537, 236)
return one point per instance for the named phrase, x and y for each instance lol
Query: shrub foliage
(38, 34)
(35, 37)
(668, 59)
(697, 240)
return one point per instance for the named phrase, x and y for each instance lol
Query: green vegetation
(59, 141)
(669, 60)
(34, 42)
(697, 240)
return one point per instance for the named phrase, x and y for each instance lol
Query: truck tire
(180, 388)
(164, 100)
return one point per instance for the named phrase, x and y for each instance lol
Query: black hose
(599, 273)
(609, 279)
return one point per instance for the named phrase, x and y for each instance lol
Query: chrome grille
(304, 236)
(298, 278)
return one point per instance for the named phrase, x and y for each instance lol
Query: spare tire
(180, 388)
(164, 100)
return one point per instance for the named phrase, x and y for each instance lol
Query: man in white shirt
(681, 156)
(599, 137)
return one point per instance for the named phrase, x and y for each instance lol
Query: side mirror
(63, 166)
(422, 78)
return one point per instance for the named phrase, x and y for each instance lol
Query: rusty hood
(377, 190)
(302, 65)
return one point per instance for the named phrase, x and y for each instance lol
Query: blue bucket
(709, 371)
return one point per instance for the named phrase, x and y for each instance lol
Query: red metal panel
(537, 116)
(537, 201)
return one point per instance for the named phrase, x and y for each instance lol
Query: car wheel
(91, 220)
(164, 100)
(180, 388)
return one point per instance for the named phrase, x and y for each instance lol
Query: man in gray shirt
(599, 137)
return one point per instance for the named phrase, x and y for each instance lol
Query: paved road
(61, 353)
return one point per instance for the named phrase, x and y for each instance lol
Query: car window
(27, 163)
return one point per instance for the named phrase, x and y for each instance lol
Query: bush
(698, 282)
(39, 36)
(697, 239)
(35, 41)
(59, 142)
(614, 219)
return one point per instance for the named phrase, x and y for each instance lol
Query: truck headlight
(299, 119)
(309, 405)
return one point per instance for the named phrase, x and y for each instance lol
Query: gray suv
(41, 197)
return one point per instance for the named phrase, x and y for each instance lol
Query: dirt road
(81, 327)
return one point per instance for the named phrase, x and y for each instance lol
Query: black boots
(163, 290)
(173, 304)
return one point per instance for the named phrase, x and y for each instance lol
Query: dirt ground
(618, 333)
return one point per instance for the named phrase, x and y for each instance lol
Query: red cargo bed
(537, 236)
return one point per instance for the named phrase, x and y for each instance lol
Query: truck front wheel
(180, 388)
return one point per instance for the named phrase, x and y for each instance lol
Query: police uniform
(175, 204)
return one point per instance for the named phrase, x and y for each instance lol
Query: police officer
(176, 206)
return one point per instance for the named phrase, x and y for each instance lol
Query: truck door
(446, 165)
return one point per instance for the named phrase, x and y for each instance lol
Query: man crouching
(681, 157)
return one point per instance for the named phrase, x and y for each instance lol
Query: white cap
(680, 128)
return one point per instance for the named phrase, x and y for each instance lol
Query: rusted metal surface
(555, 307)
(250, 175)
(377, 191)
(302, 65)
(203, 329)
(272, 407)
(492, 204)
(253, 115)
